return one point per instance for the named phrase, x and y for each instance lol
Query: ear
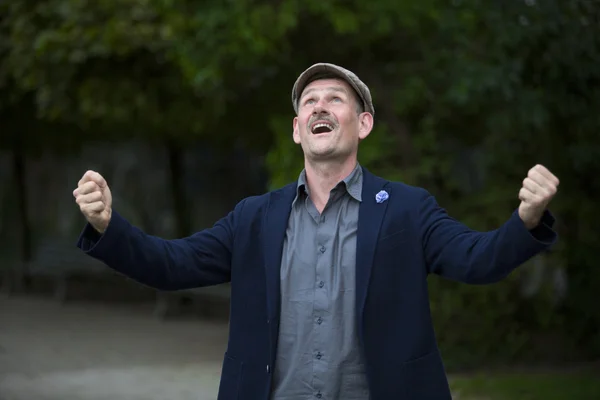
(296, 131)
(365, 121)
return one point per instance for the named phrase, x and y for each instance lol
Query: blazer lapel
(370, 217)
(274, 227)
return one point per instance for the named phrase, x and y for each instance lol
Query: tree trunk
(177, 171)
(26, 253)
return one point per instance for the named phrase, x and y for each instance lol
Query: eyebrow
(330, 88)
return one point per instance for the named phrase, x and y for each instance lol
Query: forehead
(321, 85)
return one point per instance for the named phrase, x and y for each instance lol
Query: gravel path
(92, 352)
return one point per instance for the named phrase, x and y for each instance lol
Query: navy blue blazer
(400, 242)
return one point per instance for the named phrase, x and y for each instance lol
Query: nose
(319, 108)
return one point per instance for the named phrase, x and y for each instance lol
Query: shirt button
(319, 320)
(319, 355)
(322, 249)
(321, 284)
(318, 395)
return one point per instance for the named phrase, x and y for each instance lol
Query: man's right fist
(94, 199)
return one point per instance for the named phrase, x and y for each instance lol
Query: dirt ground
(87, 351)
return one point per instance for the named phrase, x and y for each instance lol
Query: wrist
(530, 222)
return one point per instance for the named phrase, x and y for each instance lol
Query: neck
(322, 177)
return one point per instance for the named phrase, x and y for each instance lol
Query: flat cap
(325, 70)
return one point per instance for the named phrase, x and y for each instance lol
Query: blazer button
(268, 369)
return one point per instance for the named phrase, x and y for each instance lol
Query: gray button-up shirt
(318, 355)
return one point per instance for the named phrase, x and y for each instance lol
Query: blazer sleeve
(454, 251)
(201, 259)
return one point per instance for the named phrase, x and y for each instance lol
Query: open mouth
(322, 128)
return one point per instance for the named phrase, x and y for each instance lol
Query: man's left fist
(538, 189)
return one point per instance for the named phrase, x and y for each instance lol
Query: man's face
(328, 124)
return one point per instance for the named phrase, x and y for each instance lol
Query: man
(328, 274)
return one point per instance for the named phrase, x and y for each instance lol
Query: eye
(336, 99)
(309, 101)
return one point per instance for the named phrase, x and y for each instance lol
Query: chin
(325, 154)
(323, 151)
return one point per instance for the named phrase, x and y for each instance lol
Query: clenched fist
(538, 189)
(94, 199)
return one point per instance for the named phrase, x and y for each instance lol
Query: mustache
(322, 118)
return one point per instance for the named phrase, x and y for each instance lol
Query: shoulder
(409, 197)
(418, 202)
(403, 192)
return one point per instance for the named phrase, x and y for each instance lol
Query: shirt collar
(352, 183)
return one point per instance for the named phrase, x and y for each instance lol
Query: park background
(185, 108)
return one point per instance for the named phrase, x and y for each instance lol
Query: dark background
(185, 108)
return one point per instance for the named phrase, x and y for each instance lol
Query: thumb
(525, 196)
(528, 212)
(525, 205)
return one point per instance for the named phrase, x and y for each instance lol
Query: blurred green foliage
(528, 385)
(468, 95)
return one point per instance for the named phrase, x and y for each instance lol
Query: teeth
(321, 126)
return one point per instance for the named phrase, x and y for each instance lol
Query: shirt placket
(321, 309)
